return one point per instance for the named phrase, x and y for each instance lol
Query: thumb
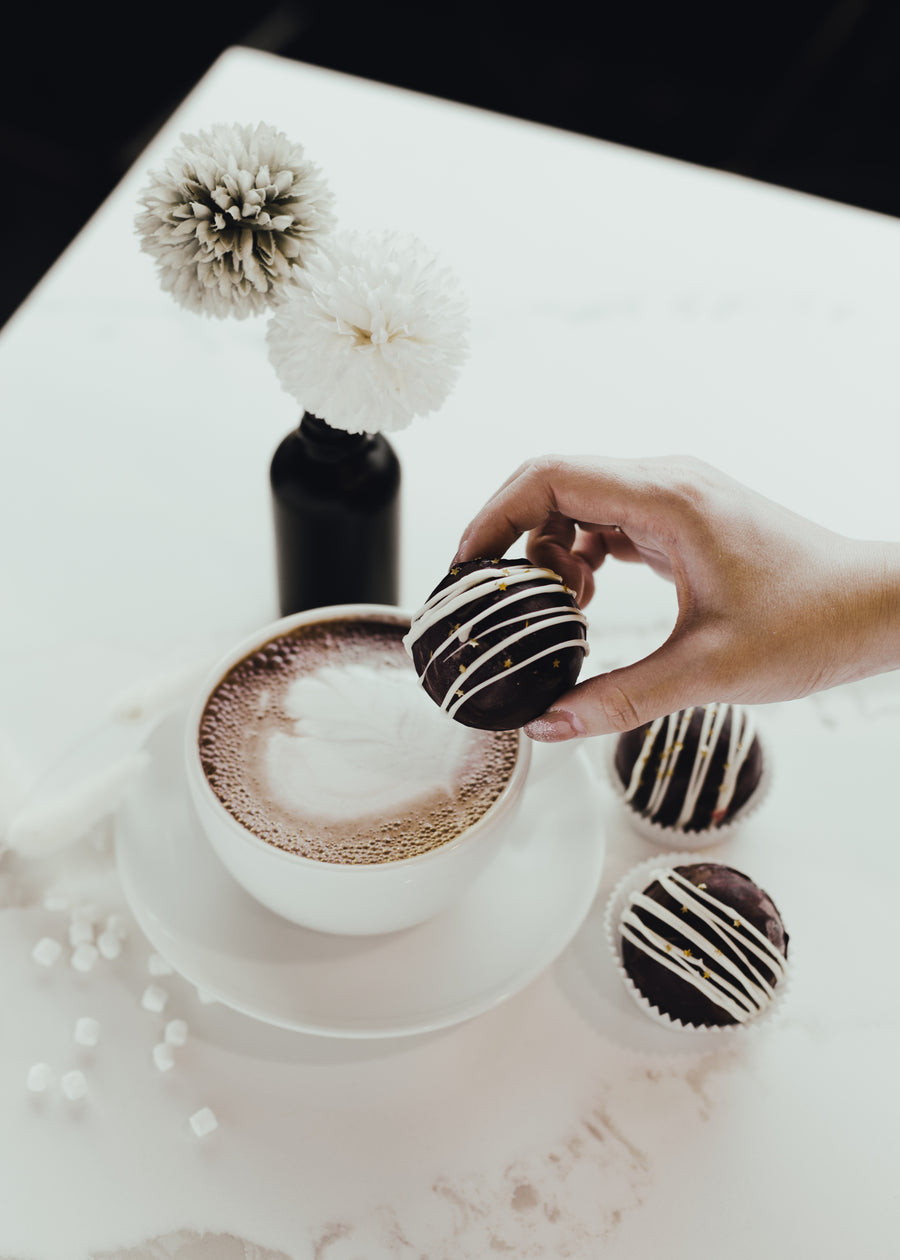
(663, 682)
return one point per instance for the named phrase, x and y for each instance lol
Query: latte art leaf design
(364, 739)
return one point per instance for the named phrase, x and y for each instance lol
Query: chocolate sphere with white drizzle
(704, 944)
(692, 770)
(498, 641)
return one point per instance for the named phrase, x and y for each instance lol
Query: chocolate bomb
(704, 945)
(498, 641)
(692, 770)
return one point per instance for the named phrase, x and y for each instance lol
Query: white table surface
(621, 303)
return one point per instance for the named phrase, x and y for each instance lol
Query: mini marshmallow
(73, 1085)
(84, 956)
(204, 1121)
(163, 1056)
(87, 1031)
(154, 998)
(109, 945)
(46, 951)
(176, 1032)
(157, 966)
(80, 931)
(116, 924)
(39, 1077)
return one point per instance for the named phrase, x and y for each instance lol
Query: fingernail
(459, 550)
(554, 726)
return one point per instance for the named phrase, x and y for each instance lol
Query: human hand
(770, 605)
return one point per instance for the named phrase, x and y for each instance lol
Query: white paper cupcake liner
(636, 880)
(677, 837)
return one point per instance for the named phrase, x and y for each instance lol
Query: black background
(801, 93)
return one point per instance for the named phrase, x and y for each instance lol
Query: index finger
(589, 491)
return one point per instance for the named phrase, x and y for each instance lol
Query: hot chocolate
(320, 742)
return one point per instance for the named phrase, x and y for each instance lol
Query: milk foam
(366, 739)
(322, 743)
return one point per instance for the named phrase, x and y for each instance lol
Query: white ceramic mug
(345, 898)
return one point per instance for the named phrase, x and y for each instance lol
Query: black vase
(336, 502)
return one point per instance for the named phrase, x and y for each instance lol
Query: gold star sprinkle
(507, 662)
(462, 669)
(702, 887)
(460, 692)
(502, 586)
(668, 949)
(556, 664)
(687, 953)
(706, 975)
(737, 923)
(454, 570)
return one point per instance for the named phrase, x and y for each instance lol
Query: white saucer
(519, 916)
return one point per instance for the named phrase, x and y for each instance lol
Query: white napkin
(88, 783)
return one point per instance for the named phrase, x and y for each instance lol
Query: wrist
(873, 609)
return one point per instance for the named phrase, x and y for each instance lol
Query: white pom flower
(372, 333)
(233, 214)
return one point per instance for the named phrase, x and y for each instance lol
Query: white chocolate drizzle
(739, 988)
(472, 588)
(741, 735)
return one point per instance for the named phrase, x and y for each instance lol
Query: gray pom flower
(232, 216)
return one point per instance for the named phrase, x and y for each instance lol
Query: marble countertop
(621, 303)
